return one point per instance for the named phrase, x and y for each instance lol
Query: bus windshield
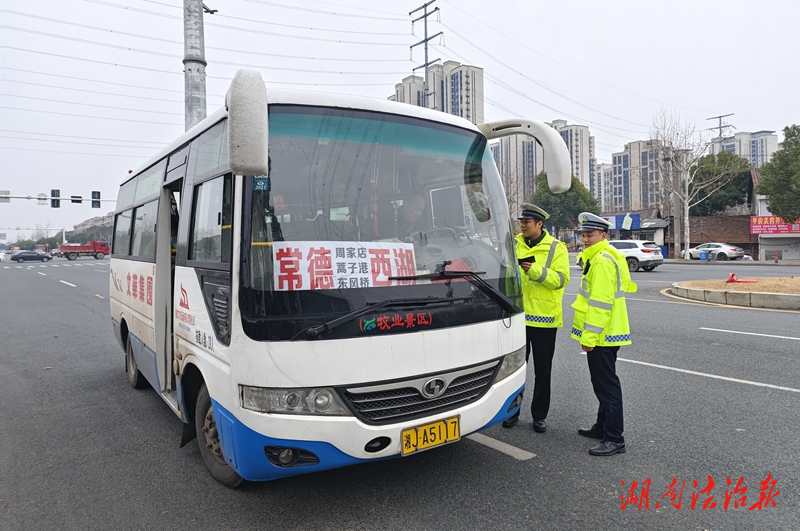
(355, 199)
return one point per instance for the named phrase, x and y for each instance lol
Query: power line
(228, 63)
(273, 4)
(87, 116)
(508, 87)
(74, 153)
(88, 91)
(245, 30)
(91, 104)
(537, 83)
(78, 143)
(559, 63)
(94, 80)
(159, 144)
(107, 30)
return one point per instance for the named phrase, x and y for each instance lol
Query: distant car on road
(719, 251)
(639, 254)
(26, 256)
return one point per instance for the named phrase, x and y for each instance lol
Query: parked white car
(640, 254)
(719, 251)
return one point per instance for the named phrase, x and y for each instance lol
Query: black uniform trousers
(602, 368)
(541, 342)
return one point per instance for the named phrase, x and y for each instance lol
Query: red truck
(71, 251)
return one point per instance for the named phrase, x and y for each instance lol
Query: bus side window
(122, 233)
(212, 216)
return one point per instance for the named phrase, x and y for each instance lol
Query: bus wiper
(316, 331)
(472, 276)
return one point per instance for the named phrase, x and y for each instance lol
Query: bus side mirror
(556, 154)
(248, 133)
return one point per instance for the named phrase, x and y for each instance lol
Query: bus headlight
(510, 364)
(321, 401)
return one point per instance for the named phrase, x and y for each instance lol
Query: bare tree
(687, 174)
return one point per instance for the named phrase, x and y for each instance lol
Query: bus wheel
(135, 377)
(208, 440)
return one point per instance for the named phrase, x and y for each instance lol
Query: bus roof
(312, 98)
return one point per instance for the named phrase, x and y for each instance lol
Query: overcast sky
(89, 89)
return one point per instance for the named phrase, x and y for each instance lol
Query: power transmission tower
(194, 61)
(721, 126)
(426, 14)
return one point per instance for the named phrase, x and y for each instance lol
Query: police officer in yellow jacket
(601, 326)
(544, 269)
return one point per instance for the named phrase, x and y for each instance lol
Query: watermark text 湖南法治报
(637, 495)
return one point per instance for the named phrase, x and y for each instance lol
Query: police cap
(530, 211)
(590, 222)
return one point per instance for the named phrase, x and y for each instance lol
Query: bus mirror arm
(559, 166)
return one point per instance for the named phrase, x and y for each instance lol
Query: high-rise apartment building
(756, 147)
(600, 185)
(519, 159)
(581, 149)
(453, 88)
(635, 178)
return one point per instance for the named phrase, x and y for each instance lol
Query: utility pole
(426, 14)
(194, 61)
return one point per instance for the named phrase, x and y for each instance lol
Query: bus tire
(72, 256)
(135, 377)
(209, 443)
(99, 256)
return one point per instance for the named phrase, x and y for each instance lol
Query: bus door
(168, 215)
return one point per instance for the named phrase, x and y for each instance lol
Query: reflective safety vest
(543, 284)
(601, 315)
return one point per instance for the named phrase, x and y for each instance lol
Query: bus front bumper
(257, 456)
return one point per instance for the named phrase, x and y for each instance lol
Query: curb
(753, 299)
(729, 263)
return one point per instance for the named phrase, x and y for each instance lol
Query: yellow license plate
(429, 435)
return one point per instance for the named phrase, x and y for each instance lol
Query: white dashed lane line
(749, 333)
(707, 375)
(67, 283)
(43, 274)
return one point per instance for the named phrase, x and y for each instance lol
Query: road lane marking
(67, 283)
(500, 446)
(101, 270)
(99, 296)
(55, 265)
(749, 333)
(43, 274)
(707, 375)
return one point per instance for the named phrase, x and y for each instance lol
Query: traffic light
(55, 203)
(76, 199)
(96, 195)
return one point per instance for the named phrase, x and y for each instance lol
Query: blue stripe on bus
(504, 413)
(244, 450)
(145, 360)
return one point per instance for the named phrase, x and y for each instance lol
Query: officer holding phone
(544, 268)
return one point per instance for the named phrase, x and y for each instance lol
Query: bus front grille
(400, 401)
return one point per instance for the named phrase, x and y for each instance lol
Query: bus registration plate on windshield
(430, 435)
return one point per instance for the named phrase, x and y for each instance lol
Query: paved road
(79, 449)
